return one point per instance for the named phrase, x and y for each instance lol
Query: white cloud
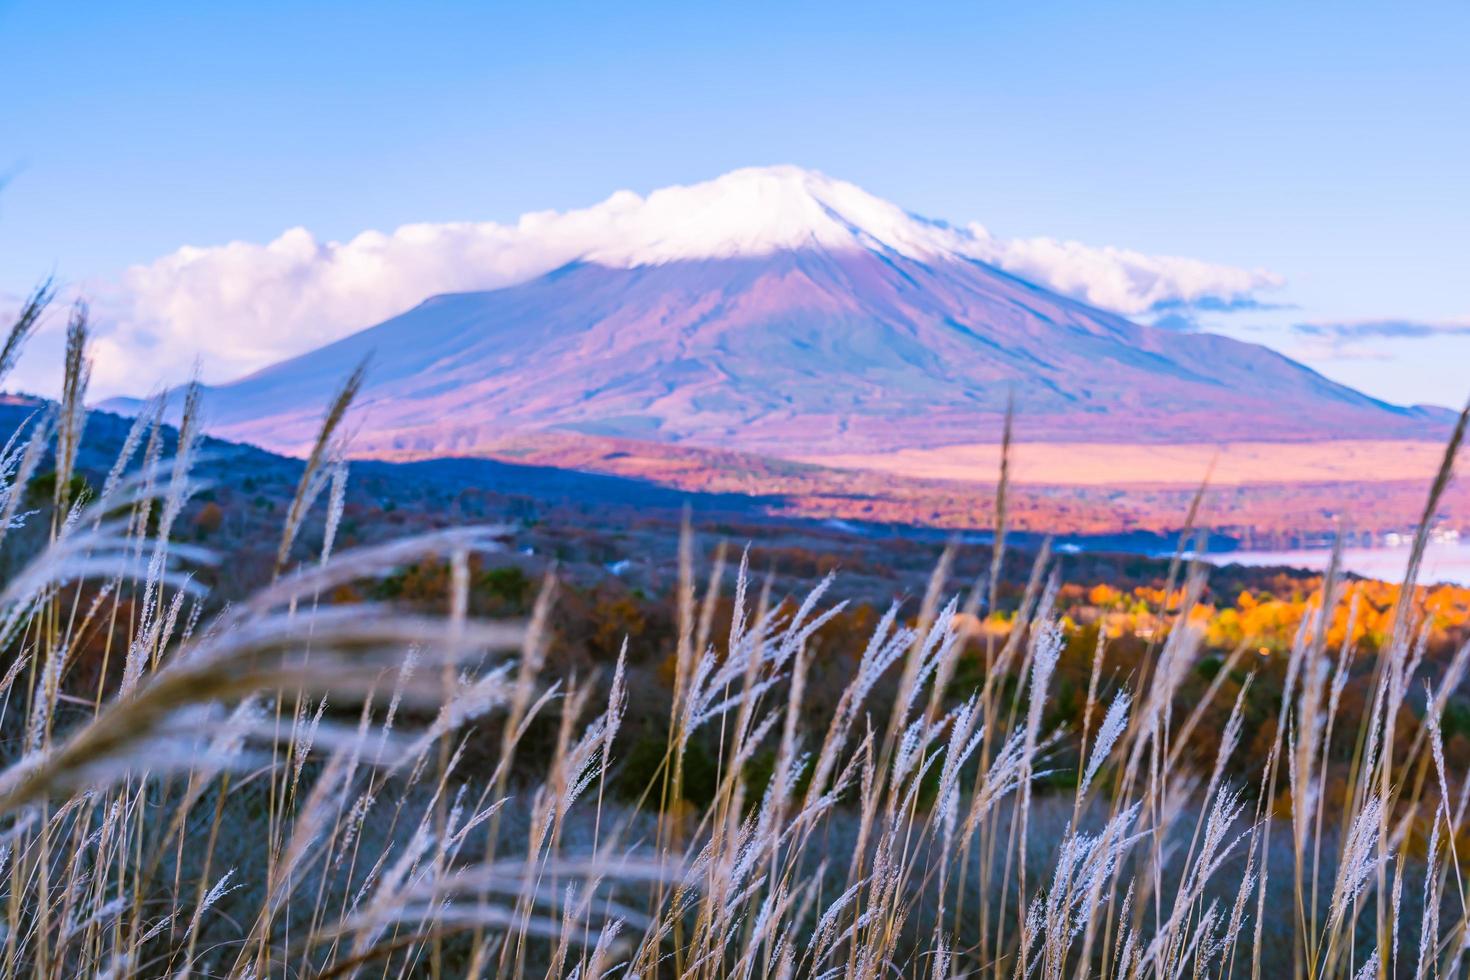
(1121, 279)
(238, 307)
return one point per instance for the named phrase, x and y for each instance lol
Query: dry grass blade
(309, 485)
(1002, 485)
(25, 324)
(350, 652)
(72, 416)
(1437, 488)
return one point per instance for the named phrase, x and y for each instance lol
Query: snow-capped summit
(760, 210)
(259, 303)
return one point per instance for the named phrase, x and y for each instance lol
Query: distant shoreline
(1444, 561)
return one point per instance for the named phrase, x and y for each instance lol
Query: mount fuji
(781, 312)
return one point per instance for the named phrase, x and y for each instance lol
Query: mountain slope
(785, 314)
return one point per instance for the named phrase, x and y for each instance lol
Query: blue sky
(1325, 142)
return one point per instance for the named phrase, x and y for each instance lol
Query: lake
(1443, 561)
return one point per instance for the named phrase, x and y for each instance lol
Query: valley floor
(1121, 464)
(1263, 495)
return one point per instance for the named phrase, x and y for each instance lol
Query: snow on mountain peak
(757, 211)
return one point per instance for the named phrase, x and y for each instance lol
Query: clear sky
(1326, 142)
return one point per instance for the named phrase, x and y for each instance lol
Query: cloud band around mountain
(241, 306)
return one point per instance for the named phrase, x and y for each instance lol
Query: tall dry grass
(287, 788)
